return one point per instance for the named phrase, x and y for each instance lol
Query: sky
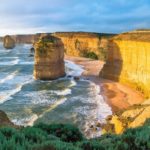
(103, 16)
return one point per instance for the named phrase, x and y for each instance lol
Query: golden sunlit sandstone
(8, 42)
(133, 117)
(49, 58)
(81, 43)
(118, 125)
(128, 60)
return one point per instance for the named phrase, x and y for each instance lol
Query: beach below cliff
(117, 96)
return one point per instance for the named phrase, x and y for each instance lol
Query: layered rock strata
(49, 58)
(79, 43)
(128, 60)
(75, 43)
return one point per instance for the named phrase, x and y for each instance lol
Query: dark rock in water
(8, 42)
(31, 55)
(4, 120)
(98, 124)
(69, 76)
(32, 50)
(76, 78)
(109, 118)
(92, 126)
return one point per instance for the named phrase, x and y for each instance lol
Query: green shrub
(8, 132)
(92, 145)
(34, 135)
(88, 54)
(102, 54)
(68, 133)
(56, 145)
(68, 137)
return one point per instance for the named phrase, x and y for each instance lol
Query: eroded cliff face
(75, 43)
(28, 38)
(78, 43)
(49, 58)
(128, 61)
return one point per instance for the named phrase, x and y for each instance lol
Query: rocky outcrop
(128, 60)
(49, 58)
(133, 117)
(8, 42)
(4, 120)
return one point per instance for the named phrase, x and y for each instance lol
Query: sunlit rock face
(133, 117)
(75, 43)
(8, 42)
(78, 43)
(129, 60)
(49, 58)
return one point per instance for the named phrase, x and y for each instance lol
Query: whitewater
(27, 101)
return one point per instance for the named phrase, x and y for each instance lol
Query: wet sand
(118, 96)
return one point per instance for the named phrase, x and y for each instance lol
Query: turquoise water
(27, 101)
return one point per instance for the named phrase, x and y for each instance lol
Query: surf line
(52, 107)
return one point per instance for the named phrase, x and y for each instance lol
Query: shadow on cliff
(114, 63)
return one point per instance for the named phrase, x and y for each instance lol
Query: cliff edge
(128, 60)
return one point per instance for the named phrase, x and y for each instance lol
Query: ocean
(27, 101)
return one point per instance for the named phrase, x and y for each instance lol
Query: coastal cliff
(75, 43)
(128, 60)
(28, 38)
(80, 43)
(49, 58)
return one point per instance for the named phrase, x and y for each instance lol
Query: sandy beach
(118, 96)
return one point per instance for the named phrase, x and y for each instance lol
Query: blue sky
(31, 16)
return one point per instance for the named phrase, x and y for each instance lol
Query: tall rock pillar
(49, 58)
(8, 42)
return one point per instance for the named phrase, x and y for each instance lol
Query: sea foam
(9, 77)
(7, 94)
(74, 70)
(27, 121)
(10, 63)
(62, 92)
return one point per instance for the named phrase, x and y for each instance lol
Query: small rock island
(49, 58)
(8, 42)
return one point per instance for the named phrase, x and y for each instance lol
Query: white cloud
(28, 16)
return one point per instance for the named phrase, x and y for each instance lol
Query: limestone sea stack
(49, 58)
(8, 42)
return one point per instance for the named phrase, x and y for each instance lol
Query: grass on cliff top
(68, 137)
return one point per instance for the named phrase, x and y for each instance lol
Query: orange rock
(78, 43)
(49, 58)
(128, 61)
(8, 42)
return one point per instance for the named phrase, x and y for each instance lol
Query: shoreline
(116, 95)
